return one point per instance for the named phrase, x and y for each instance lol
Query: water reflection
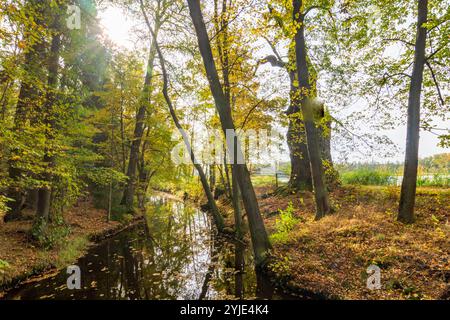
(174, 255)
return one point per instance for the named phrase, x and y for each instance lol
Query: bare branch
(436, 83)
(400, 40)
(273, 61)
(274, 49)
(437, 51)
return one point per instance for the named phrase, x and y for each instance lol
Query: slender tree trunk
(260, 240)
(218, 219)
(320, 191)
(237, 208)
(128, 196)
(408, 191)
(203, 179)
(223, 48)
(122, 133)
(212, 176)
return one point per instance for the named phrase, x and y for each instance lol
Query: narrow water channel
(174, 255)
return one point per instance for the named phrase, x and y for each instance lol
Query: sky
(118, 27)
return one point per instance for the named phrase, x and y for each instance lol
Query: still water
(174, 255)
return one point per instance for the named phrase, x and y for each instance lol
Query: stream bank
(175, 254)
(27, 263)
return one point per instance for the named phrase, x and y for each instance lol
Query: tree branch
(315, 7)
(274, 49)
(437, 51)
(274, 61)
(400, 40)
(436, 83)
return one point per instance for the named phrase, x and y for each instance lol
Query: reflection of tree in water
(159, 264)
(175, 249)
(231, 279)
(173, 256)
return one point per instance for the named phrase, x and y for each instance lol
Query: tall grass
(372, 177)
(368, 177)
(436, 180)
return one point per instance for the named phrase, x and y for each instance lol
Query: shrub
(284, 224)
(3, 207)
(50, 234)
(126, 218)
(4, 265)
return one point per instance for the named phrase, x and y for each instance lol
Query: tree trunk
(296, 139)
(29, 99)
(211, 202)
(44, 193)
(129, 192)
(237, 208)
(260, 240)
(212, 176)
(408, 191)
(300, 178)
(218, 219)
(312, 133)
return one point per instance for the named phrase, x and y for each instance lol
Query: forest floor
(25, 259)
(328, 257)
(331, 256)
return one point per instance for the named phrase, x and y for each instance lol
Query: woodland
(91, 130)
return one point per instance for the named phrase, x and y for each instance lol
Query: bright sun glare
(117, 26)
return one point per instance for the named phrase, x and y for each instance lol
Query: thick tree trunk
(29, 100)
(300, 178)
(260, 240)
(130, 189)
(325, 143)
(44, 193)
(296, 139)
(408, 191)
(312, 133)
